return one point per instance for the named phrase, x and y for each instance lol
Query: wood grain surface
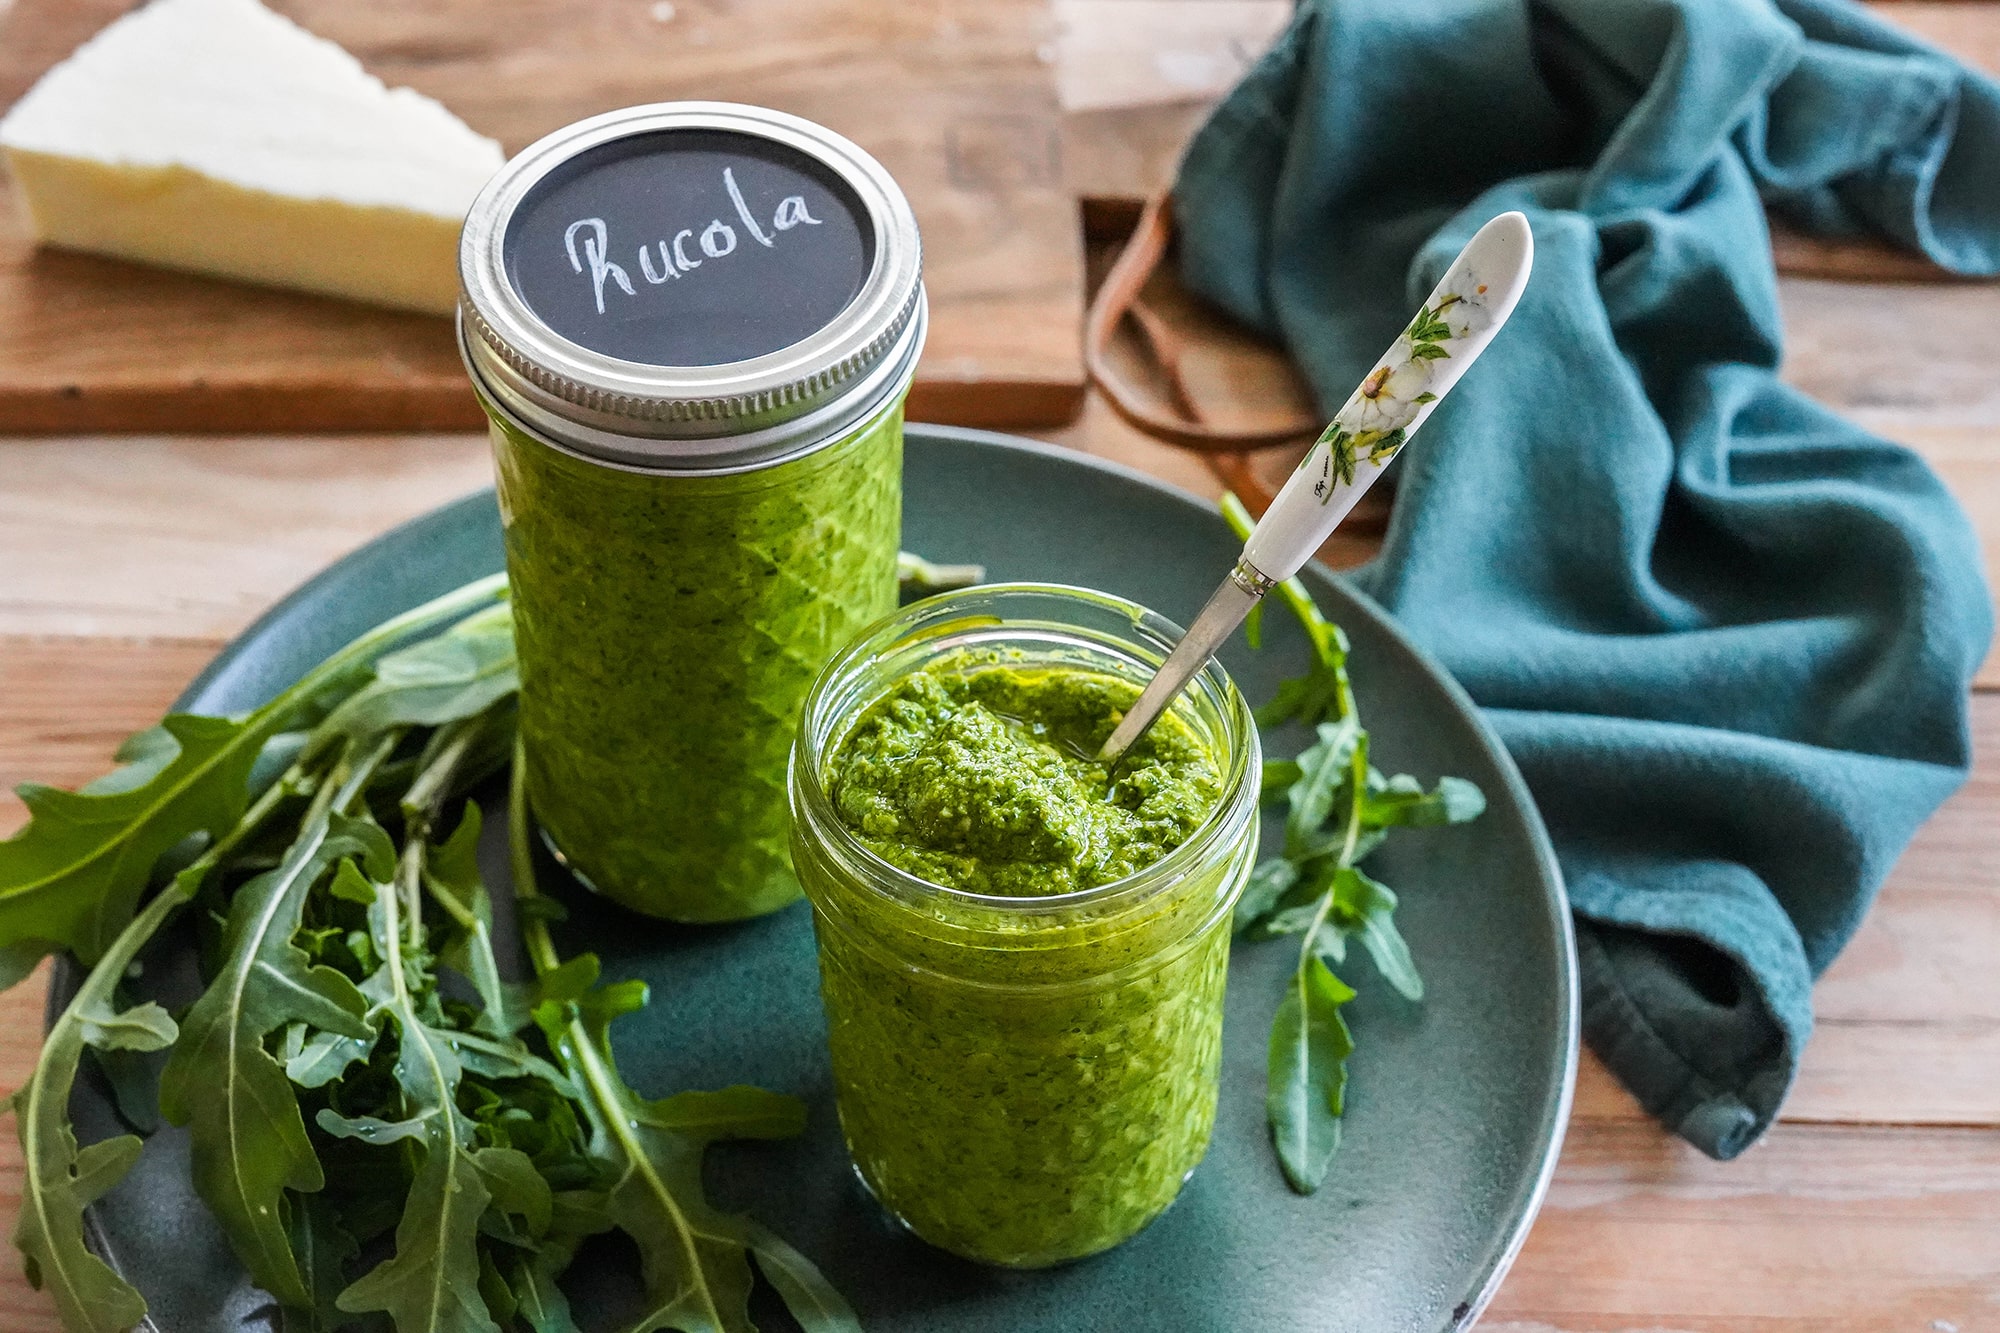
(130, 561)
(952, 95)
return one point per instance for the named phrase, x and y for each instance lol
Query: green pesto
(1025, 1082)
(1025, 1127)
(668, 627)
(984, 780)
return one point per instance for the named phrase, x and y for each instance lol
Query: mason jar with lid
(1023, 1079)
(692, 326)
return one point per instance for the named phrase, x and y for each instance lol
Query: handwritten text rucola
(587, 242)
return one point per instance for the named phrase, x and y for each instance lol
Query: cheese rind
(216, 136)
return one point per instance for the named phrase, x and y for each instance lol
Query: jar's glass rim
(936, 616)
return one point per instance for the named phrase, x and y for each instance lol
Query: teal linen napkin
(1727, 635)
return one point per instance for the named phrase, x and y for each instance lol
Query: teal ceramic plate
(1455, 1107)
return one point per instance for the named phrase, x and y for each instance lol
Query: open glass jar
(1023, 1080)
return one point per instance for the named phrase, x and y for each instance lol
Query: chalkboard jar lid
(691, 286)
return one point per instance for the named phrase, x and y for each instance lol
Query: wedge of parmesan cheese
(217, 136)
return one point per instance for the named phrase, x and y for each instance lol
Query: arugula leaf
(739, 1112)
(537, 1298)
(451, 876)
(324, 1057)
(1323, 769)
(694, 1260)
(247, 1139)
(1268, 883)
(515, 1187)
(1314, 886)
(494, 1290)
(1307, 1078)
(323, 1249)
(143, 1027)
(71, 877)
(370, 1129)
(1368, 908)
(60, 1180)
(507, 1057)
(454, 675)
(1279, 775)
(431, 1283)
(804, 1289)
(134, 1080)
(691, 1258)
(1402, 801)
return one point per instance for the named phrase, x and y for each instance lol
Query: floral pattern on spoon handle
(1376, 420)
(1467, 308)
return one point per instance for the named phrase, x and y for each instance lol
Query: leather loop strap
(1120, 297)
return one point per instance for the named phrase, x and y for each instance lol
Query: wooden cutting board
(952, 95)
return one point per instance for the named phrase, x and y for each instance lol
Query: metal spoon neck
(1225, 610)
(1251, 579)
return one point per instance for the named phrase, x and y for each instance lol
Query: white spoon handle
(1467, 308)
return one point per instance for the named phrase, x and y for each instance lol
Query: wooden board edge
(333, 409)
(1109, 219)
(995, 404)
(249, 410)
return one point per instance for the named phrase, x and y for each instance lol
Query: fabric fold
(1727, 635)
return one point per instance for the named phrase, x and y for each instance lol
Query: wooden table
(125, 563)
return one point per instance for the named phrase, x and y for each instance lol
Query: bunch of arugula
(1338, 809)
(358, 1072)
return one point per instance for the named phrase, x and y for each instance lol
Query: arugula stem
(326, 794)
(409, 891)
(361, 774)
(461, 916)
(603, 1084)
(916, 575)
(1321, 632)
(1357, 769)
(365, 649)
(428, 790)
(390, 900)
(1320, 915)
(521, 849)
(266, 804)
(604, 1087)
(422, 802)
(41, 1111)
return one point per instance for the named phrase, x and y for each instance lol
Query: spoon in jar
(1465, 310)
